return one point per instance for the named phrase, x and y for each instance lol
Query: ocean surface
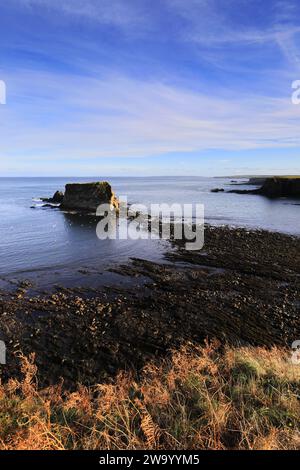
(51, 246)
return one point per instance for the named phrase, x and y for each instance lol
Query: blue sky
(140, 87)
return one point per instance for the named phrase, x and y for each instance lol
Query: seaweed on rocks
(242, 288)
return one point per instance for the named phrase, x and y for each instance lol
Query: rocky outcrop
(56, 199)
(281, 187)
(83, 197)
(217, 190)
(88, 196)
(275, 187)
(244, 191)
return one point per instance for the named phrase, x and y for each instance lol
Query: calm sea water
(49, 242)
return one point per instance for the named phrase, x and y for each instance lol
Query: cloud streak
(91, 96)
(122, 117)
(120, 13)
(212, 22)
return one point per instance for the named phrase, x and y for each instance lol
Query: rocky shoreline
(242, 288)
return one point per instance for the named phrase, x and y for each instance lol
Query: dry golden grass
(199, 398)
(292, 177)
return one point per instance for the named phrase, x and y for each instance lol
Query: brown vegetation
(198, 398)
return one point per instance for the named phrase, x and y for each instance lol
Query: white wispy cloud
(72, 117)
(117, 12)
(56, 117)
(209, 22)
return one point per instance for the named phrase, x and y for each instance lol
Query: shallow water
(49, 242)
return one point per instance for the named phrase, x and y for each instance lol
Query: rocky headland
(274, 187)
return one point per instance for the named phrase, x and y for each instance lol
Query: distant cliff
(281, 187)
(277, 186)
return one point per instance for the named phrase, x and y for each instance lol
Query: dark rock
(275, 187)
(88, 196)
(49, 205)
(56, 199)
(217, 190)
(281, 187)
(244, 191)
(256, 181)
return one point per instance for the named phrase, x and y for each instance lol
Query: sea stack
(87, 197)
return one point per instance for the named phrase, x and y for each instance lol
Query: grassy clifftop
(199, 398)
(295, 177)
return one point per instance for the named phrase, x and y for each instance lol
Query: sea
(50, 247)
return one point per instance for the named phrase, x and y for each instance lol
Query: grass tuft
(198, 398)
